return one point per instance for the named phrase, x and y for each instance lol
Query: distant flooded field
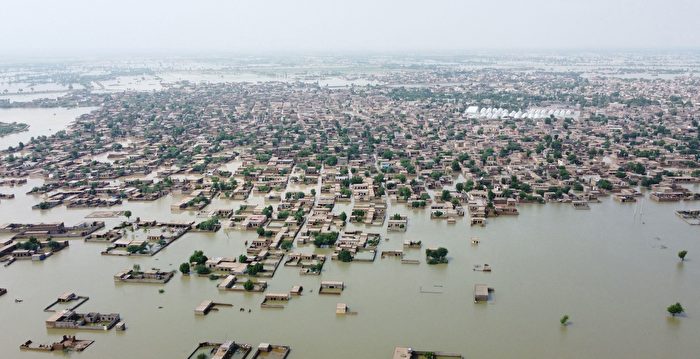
(41, 121)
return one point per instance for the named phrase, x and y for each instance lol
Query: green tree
(345, 256)
(675, 309)
(254, 269)
(127, 214)
(436, 256)
(267, 211)
(248, 285)
(198, 257)
(53, 245)
(132, 248)
(605, 184)
(325, 239)
(208, 225)
(331, 160)
(287, 245)
(682, 254)
(404, 192)
(201, 269)
(185, 268)
(445, 196)
(564, 320)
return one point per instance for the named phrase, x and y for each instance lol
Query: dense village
(453, 146)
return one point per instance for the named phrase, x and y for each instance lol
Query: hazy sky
(90, 26)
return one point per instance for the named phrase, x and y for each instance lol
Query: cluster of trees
(604, 184)
(267, 211)
(464, 186)
(650, 181)
(287, 244)
(436, 256)
(345, 256)
(201, 269)
(404, 192)
(358, 213)
(325, 239)
(44, 205)
(636, 167)
(417, 204)
(31, 245)
(559, 192)
(445, 195)
(316, 268)
(197, 200)
(145, 187)
(223, 186)
(299, 216)
(295, 195)
(254, 269)
(406, 164)
(141, 248)
(210, 224)
(198, 259)
(263, 233)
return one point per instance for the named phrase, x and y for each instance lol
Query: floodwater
(41, 121)
(199, 77)
(208, 77)
(28, 97)
(612, 269)
(128, 83)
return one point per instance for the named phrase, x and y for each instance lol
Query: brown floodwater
(41, 121)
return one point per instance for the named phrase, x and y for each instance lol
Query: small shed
(481, 293)
(296, 290)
